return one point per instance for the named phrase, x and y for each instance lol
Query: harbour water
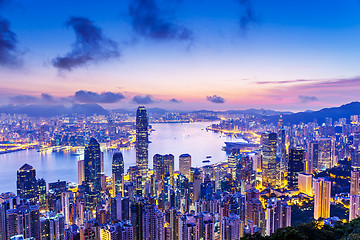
(174, 138)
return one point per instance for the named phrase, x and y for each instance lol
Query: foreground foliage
(315, 231)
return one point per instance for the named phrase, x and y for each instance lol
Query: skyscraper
(305, 183)
(185, 164)
(92, 166)
(158, 163)
(142, 141)
(354, 182)
(322, 194)
(81, 171)
(296, 166)
(118, 172)
(169, 166)
(24, 220)
(269, 166)
(281, 151)
(26, 183)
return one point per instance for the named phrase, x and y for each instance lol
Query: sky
(181, 54)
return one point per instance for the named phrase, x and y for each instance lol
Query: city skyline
(218, 56)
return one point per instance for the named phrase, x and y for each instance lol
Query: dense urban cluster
(279, 172)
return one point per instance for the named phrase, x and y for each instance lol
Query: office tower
(281, 152)
(269, 166)
(153, 223)
(169, 166)
(305, 183)
(185, 164)
(313, 156)
(233, 162)
(354, 211)
(197, 185)
(52, 226)
(136, 218)
(232, 227)
(296, 166)
(65, 204)
(158, 166)
(142, 141)
(81, 172)
(118, 173)
(278, 215)
(27, 184)
(326, 158)
(308, 163)
(41, 185)
(23, 220)
(354, 182)
(92, 166)
(322, 194)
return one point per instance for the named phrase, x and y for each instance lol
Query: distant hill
(54, 110)
(344, 111)
(252, 111)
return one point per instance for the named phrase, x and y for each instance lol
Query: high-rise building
(23, 220)
(354, 182)
(296, 166)
(322, 195)
(27, 183)
(281, 152)
(185, 164)
(354, 211)
(41, 186)
(326, 158)
(93, 172)
(269, 165)
(142, 141)
(153, 223)
(305, 183)
(81, 171)
(232, 227)
(197, 185)
(278, 215)
(158, 166)
(118, 173)
(52, 226)
(169, 166)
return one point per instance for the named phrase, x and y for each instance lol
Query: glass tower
(142, 141)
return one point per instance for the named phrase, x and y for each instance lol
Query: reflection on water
(174, 138)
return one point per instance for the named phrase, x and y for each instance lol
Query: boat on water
(208, 156)
(206, 161)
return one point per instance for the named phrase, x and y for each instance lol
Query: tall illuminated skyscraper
(268, 154)
(354, 182)
(26, 183)
(142, 141)
(296, 166)
(169, 162)
(322, 194)
(185, 164)
(118, 172)
(92, 166)
(81, 171)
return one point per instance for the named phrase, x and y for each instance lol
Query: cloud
(215, 99)
(45, 98)
(9, 55)
(248, 16)
(147, 99)
(283, 82)
(306, 99)
(150, 22)
(174, 100)
(93, 97)
(90, 46)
